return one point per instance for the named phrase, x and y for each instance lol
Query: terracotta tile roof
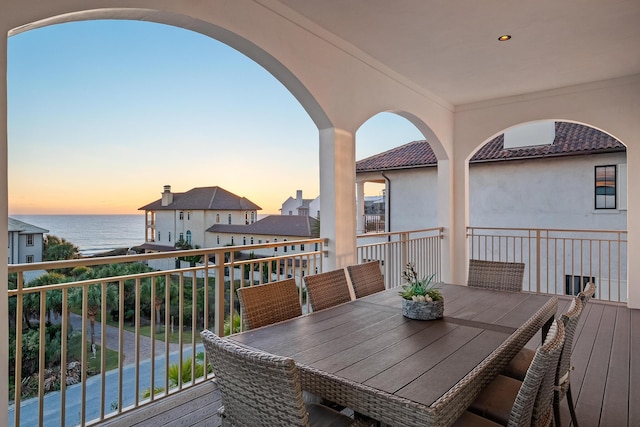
(571, 139)
(204, 198)
(411, 155)
(273, 225)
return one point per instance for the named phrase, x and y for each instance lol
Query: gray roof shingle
(24, 228)
(204, 198)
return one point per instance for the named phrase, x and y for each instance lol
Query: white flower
(429, 299)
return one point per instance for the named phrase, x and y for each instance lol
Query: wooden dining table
(366, 356)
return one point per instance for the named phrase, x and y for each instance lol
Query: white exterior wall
(290, 207)
(165, 223)
(314, 208)
(538, 193)
(18, 249)
(545, 193)
(196, 221)
(412, 199)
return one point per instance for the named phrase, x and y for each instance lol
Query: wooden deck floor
(605, 381)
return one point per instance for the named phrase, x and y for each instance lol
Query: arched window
(188, 237)
(217, 217)
(244, 240)
(252, 240)
(218, 239)
(229, 218)
(232, 241)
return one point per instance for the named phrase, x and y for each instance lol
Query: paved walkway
(129, 340)
(133, 377)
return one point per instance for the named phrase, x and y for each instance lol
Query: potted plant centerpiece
(420, 298)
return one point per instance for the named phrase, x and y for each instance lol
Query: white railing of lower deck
(559, 261)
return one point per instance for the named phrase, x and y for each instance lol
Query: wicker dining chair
(269, 303)
(588, 292)
(507, 401)
(327, 289)
(262, 389)
(496, 275)
(518, 366)
(366, 278)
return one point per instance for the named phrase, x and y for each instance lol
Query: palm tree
(56, 249)
(160, 288)
(93, 295)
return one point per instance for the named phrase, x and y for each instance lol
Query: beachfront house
(301, 206)
(271, 229)
(26, 242)
(186, 217)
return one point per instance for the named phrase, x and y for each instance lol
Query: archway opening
(103, 113)
(552, 194)
(398, 170)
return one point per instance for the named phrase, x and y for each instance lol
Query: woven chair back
(366, 278)
(327, 289)
(533, 404)
(257, 388)
(497, 275)
(588, 292)
(570, 319)
(263, 305)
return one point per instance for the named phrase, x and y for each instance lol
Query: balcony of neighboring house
(131, 379)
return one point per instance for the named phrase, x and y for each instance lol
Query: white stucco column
(633, 227)
(360, 207)
(4, 332)
(446, 220)
(337, 187)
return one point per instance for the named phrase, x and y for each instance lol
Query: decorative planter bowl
(422, 310)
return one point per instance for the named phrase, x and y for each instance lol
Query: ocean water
(92, 233)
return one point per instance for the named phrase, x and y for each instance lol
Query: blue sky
(103, 114)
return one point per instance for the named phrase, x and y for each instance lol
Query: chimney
(167, 196)
(299, 197)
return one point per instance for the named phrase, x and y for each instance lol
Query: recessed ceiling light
(504, 37)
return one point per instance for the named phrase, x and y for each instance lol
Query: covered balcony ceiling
(450, 49)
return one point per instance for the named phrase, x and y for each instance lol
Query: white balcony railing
(559, 261)
(120, 303)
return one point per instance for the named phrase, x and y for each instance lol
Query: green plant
(232, 327)
(175, 377)
(418, 289)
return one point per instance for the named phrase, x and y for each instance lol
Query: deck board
(634, 368)
(614, 409)
(605, 380)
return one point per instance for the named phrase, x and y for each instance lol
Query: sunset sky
(103, 114)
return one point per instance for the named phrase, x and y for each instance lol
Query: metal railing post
(538, 260)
